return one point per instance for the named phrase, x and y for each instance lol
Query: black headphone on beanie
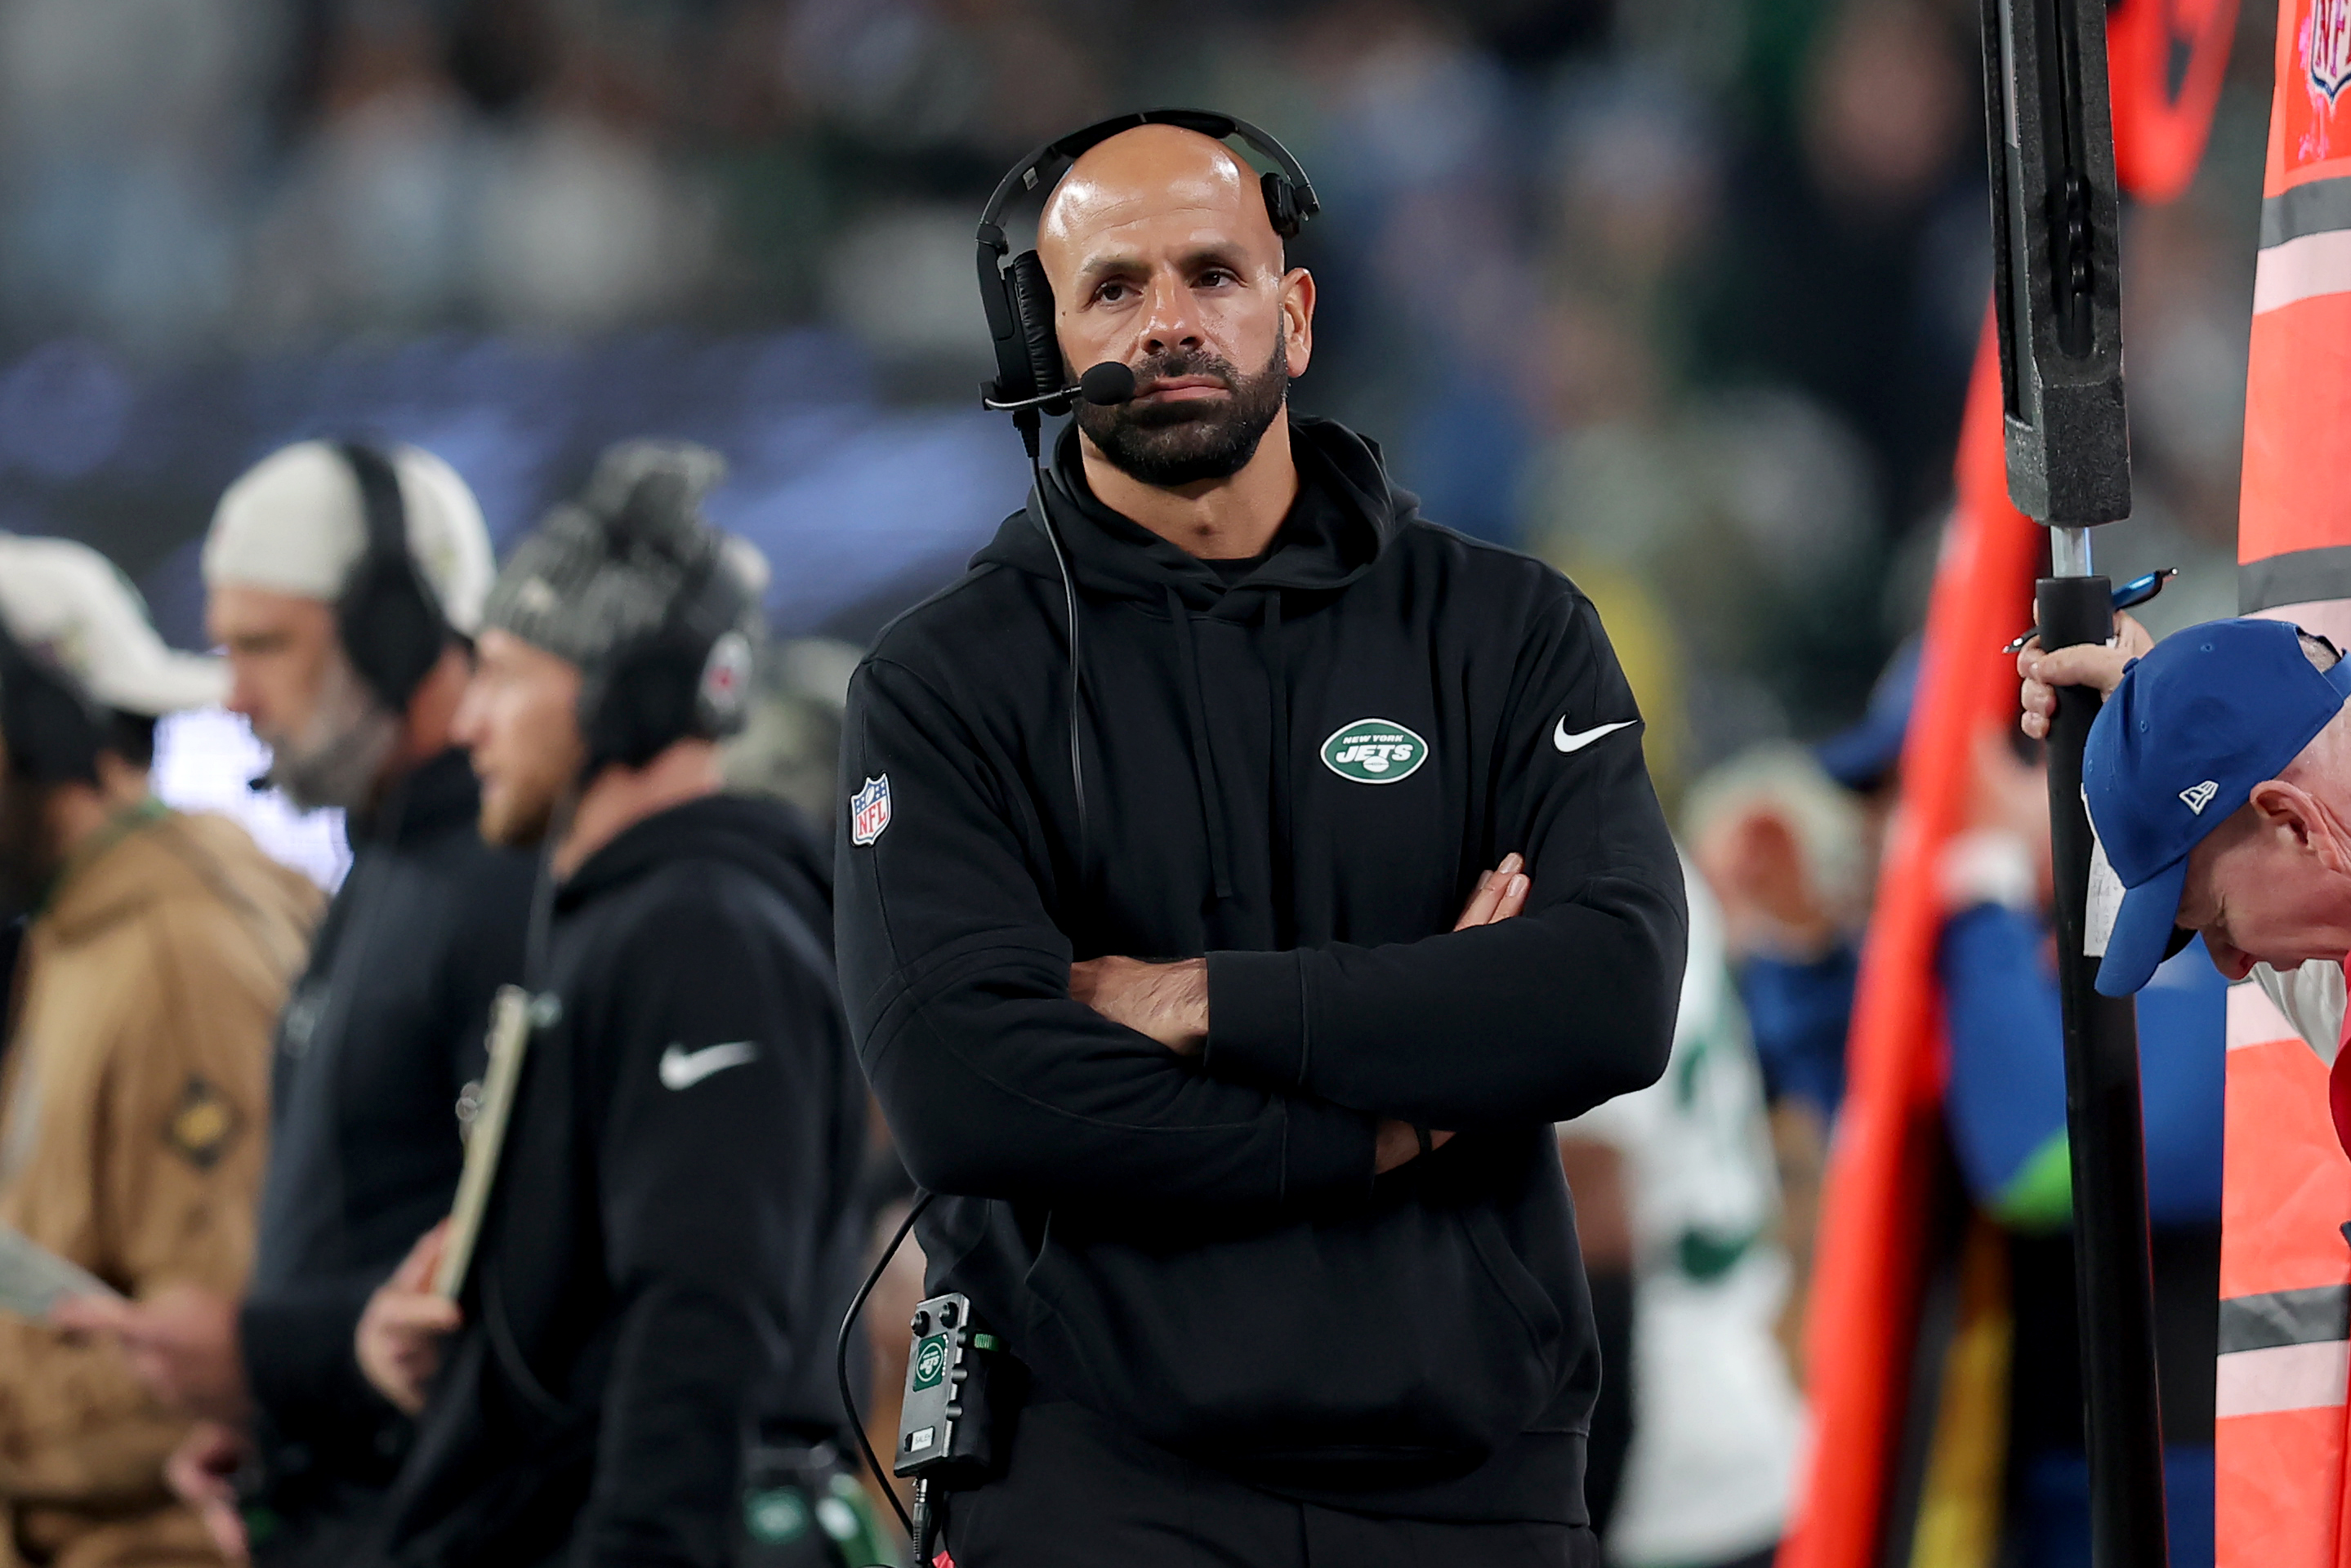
(387, 617)
(1015, 292)
(691, 675)
(52, 729)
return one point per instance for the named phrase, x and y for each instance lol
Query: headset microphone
(1106, 384)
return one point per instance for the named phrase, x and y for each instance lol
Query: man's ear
(1298, 319)
(2290, 812)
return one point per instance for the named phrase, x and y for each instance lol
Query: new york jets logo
(930, 1361)
(1373, 751)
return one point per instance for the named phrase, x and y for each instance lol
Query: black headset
(691, 675)
(1029, 380)
(52, 728)
(1014, 290)
(390, 620)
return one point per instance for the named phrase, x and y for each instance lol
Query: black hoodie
(671, 1241)
(1300, 777)
(382, 1033)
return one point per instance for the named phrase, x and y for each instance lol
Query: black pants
(1078, 1494)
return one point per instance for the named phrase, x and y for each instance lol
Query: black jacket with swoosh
(1300, 777)
(673, 1237)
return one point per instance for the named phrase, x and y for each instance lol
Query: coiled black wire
(841, 1357)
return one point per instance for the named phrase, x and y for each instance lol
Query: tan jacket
(133, 1113)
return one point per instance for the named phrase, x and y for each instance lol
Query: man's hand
(201, 1474)
(400, 1333)
(1399, 1142)
(1168, 1001)
(1501, 893)
(182, 1343)
(2094, 665)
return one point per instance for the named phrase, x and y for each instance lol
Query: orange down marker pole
(2166, 62)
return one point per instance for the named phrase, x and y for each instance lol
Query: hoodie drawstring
(1277, 679)
(1204, 759)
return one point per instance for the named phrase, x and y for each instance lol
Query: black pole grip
(2113, 1275)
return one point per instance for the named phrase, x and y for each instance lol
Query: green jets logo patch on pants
(1373, 751)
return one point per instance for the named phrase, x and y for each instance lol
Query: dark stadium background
(1680, 293)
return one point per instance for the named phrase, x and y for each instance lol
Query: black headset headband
(1029, 173)
(390, 620)
(1014, 291)
(381, 510)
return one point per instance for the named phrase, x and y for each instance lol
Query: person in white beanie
(156, 951)
(345, 702)
(345, 581)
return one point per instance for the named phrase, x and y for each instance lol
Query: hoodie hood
(1346, 514)
(765, 837)
(1344, 519)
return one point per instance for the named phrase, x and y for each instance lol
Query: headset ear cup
(640, 706)
(1032, 306)
(1280, 203)
(609, 729)
(391, 624)
(389, 629)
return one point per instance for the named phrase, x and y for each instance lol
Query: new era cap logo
(2199, 797)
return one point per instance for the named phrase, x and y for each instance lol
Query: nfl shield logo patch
(869, 811)
(2326, 45)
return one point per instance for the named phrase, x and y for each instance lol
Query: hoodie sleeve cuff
(1256, 1018)
(298, 1354)
(1327, 1151)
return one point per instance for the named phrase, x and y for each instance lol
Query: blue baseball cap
(2211, 712)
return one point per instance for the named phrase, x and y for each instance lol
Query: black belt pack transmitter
(957, 1380)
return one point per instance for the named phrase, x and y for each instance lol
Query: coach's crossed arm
(1169, 1001)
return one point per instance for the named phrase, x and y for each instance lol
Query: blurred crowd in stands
(1681, 294)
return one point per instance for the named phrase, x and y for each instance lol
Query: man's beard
(515, 819)
(28, 858)
(338, 758)
(1167, 445)
(525, 803)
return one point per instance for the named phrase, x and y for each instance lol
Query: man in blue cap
(2218, 779)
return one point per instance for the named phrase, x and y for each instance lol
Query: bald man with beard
(1232, 1044)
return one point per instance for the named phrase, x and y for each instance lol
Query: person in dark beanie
(672, 1235)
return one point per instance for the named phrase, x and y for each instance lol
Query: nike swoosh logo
(1577, 741)
(682, 1068)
